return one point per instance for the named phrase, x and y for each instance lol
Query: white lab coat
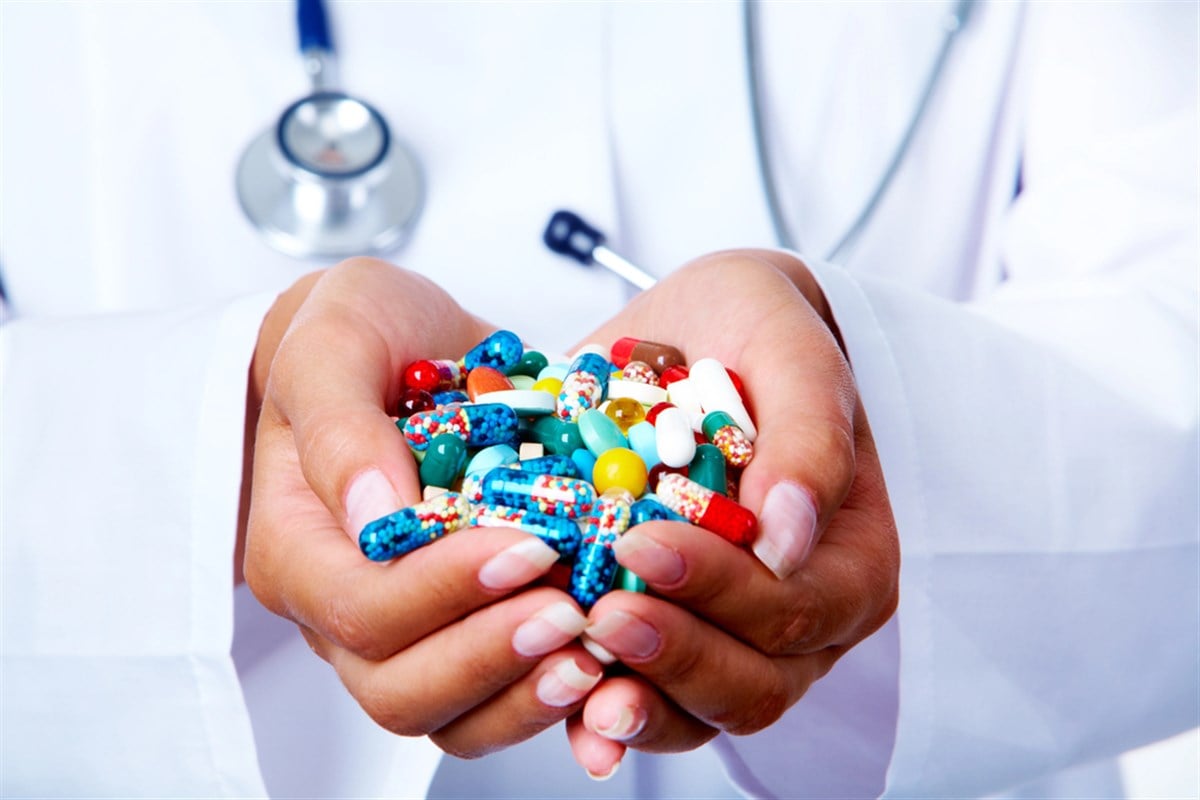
(1029, 366)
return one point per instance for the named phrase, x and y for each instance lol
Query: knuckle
(765, 711)
(390, 713)
(799, 630)
(347, 626)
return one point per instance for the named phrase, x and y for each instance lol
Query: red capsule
(706, 508)
(413, 401)
(657, 409)
(658, 356)
(658, 470)
(737, 384)
(433, 375)
(672, 374)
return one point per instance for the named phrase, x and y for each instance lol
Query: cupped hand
(437, 642)
(729, 638)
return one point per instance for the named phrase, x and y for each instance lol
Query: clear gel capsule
(658, 356)
(595, 569)
(720, 429)
(584, 386)
(706, 508)
(501, 350)
(559, 532)
(416, 526)
(549, 494)
(478, 425)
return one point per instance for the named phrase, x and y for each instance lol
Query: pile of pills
(574, 454)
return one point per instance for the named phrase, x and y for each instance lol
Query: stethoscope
(330, 179)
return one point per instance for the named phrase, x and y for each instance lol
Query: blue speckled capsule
(584, 386)
(478, 425)
(549, 494)
(595, 569)
(502, 350)
(650, 508)
(559, 532)
(561, 466)
(416, 526)
(450, 396)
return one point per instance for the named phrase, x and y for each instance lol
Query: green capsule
(629, 581)
(558, 437)
(444, 461)
(708, 468)
(532, 362)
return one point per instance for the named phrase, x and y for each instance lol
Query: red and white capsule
(706, 508)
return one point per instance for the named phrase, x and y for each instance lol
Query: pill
(433, 375)
(501, 350)
(624, 411)
(672, 374)
(430, 492)
(716, 392)
(649, 508)
(629, 581)
(639, 372)
(706, 508)
(444, 461)
(523, 382)
(555, 369)
(682, 394)
(658, 356)
(559, 532)
(414, 400)
(708, 468)
(562, 466)
(548, 494)
(599, 433)
(655, 410)
(585, 460)
(720, 429)
(622, 468)
(483, 380)
(643, 393)
(584, 386)
(642, 441)
(558, 437)
(673, 437)
(498, 455)
(530, 364)
(477, 425)
(529, 451)
(526, 402)
(409, 528)
(449, 396)
(550, 385)
(595, 569)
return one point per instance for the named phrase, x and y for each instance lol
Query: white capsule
(673, 437)
(716, 392)
(682, 394)
(644, 393)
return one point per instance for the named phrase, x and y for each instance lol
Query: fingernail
(518, 564)
(598, 650)
(628, 724)
(370, 496)
(625, 635)
(788, 525)
(548, 630)
(603, 776)
(565, 684)
(653, 562)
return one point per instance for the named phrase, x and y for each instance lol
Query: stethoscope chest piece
(330, 181)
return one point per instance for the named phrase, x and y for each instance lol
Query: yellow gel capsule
(622, 468)
(551, 385)
(626, 412)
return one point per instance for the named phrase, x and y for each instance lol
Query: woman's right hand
(447, 640)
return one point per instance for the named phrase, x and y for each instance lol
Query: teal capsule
(531, 364)
(629, 581)
(708, 468)
(599, 433)
(557, 437)
(444, 461)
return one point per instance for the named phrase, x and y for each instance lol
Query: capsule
(716, 391)
(706, 508)
(413, 401)
(433, 375)
(559, 465)
(673, 437)
(477, 425)
(658, 356)
(501, 350)
(550, 494)
(444, 461)
(639, 372)
(720, 429)
(584, 386)
(482, 380)
(650, 509)
(558, 437)
(416, 526)
(449, 397)
(529, 365)
(595, 569)
(559, 532)
(708, 468)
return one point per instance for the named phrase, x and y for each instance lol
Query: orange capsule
(482, 380)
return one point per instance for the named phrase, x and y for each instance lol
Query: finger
(599, 756)
(553, 690)
(628, 710)
(301, 565)
(833, 600)
(337, 371)
(708, 673)
(425, 686)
